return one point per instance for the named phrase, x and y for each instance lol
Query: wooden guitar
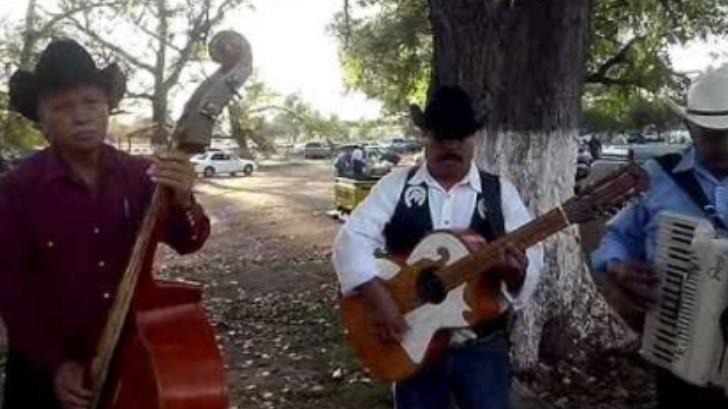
(441, 285)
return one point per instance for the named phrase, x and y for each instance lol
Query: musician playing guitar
(694, 183)
(68, 221)
(447, 192)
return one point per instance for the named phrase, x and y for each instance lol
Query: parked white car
(398, 145)
(217, 162)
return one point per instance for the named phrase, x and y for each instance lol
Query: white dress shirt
(363, 234)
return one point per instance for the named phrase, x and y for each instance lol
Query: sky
(293, 53)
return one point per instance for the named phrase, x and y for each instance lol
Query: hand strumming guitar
(509, 267)
(385, 313)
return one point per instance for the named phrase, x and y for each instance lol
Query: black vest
(412, 220)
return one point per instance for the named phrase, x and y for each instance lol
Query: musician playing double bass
(684, 183)
(68, 221)
(447, 192)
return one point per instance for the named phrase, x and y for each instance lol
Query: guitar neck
(524, 237)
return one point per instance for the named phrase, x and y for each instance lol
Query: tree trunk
(264, 144)
(161, 92)
(523, 62)
(159, 116)
(240, 136)
(30, 35)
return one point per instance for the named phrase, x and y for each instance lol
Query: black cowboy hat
(63, 63)
(449, 114)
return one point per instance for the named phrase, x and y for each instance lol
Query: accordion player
(687, 334)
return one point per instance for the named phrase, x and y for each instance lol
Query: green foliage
(631, 39)
(15, 132)
(266, 113)
(644, 113)
(388, 55)
(386, 45)
(300, 120)
(607, 113)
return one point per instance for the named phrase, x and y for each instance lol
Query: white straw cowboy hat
(707, 100)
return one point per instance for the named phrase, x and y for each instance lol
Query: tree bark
(30, 35)
(159, 104)
(159, 116)
(238, 133)
(523, 61)
(264, 144)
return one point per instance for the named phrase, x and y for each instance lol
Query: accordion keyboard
(670, 327)
(683, 334)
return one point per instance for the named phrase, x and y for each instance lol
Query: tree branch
(609, 81)
(141, 95)
(58, 17)
(199, 28)
(118, 50)
(670, 12)
(281, 108)
(347, 23)
(619, 58)
(154, 35)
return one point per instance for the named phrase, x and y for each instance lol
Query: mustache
(450, 156)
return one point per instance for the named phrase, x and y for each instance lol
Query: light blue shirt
(631, 235)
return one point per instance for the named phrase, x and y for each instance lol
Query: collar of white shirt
(472, 179)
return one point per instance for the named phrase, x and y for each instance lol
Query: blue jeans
(475, 376)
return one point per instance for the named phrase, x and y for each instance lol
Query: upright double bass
(158, 350)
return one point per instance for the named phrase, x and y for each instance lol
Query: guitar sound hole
(430, 288)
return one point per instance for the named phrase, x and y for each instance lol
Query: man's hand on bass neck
(69, 386)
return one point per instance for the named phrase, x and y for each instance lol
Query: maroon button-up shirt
(63, 250)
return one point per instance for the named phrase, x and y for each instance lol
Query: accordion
(687, 333)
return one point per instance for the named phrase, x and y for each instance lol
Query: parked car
(413, 146)
(383, 154)
(217, 162)
(398, 145)
(312, 150)
(297, 149)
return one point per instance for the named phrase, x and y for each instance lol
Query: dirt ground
(272, 293)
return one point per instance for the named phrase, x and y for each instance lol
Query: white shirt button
(106, 296)
(102, 264)
(97, 230)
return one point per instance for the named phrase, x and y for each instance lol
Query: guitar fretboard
(524, 237)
